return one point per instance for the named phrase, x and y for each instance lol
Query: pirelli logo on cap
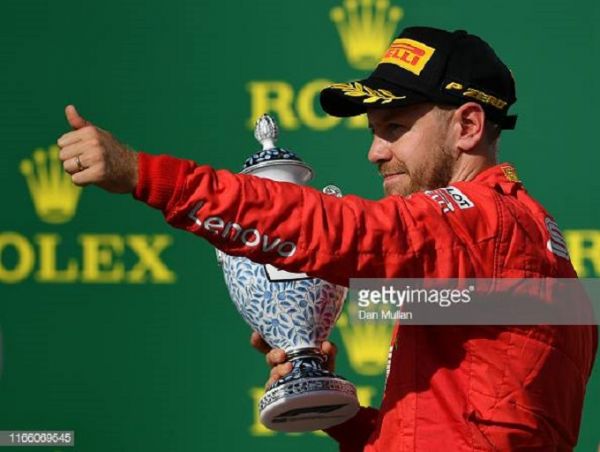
(408, 54)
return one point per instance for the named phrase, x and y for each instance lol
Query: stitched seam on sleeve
(302, 233)
(178, 199)
(498, 237)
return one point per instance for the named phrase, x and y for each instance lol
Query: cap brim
(353, 98)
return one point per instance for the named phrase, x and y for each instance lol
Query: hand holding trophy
(291, 311)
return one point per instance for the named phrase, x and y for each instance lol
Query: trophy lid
(266, 133)
(269, 155)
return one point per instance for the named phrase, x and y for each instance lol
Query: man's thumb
(76, 121)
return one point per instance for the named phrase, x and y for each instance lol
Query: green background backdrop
(167, 366)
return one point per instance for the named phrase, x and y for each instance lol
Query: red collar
(502, 177)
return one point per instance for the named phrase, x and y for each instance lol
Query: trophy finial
(274, 162)
(266, 132)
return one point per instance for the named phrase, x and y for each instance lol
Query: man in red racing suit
(458, 388)
(471, 388)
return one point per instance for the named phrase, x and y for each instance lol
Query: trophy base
(308, 399)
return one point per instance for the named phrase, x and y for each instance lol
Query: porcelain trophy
(291, 311)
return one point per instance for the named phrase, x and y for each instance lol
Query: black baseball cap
(425, 64)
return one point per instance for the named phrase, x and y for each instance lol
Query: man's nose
(379, 151)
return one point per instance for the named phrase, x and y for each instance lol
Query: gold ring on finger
(80, 166)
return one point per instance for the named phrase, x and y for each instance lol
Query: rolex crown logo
(54, 195)
(366, 28)
(367, 342)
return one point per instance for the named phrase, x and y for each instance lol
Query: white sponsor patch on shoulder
(449, 198)
(557, 243)
(459, 197)
(440, 197)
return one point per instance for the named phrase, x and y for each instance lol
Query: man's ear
(468, 125)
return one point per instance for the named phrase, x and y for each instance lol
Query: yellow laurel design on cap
(355, 89)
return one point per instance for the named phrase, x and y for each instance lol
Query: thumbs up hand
(93, 156)
(75, 121)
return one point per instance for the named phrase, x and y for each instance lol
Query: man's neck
(469, 166)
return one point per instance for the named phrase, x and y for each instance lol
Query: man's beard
(432, 174)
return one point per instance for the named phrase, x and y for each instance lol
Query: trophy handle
(332, 190)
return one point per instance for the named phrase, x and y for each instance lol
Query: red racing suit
(455, 388)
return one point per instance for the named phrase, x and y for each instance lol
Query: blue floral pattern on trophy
(270, 155)
(289, 314)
